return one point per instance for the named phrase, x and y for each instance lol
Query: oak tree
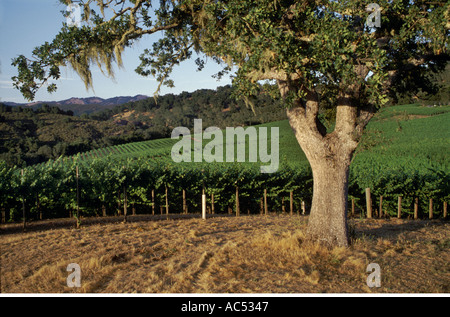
(320, 56)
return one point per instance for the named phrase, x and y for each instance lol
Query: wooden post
(353, 207)
(119, 208)
(430, 213)
(399, 209)
(38, 207)
(237, 202)
(184, 202)
(291, 202)
(78, 197)
(368, 204)
(212, 204)
(445, 209)
(266, 209)
(24, 225)
(125, 203)
(24, 215)
(153, 202)
(380, 213)
(167, 202)
(203, 205)
(416, 208)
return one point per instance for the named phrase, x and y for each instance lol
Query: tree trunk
(329, 155)
(328, 217)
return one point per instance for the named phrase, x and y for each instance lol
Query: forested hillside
(29, 136)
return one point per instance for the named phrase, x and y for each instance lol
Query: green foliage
(411, 162)
(391, 163)
(315, 45)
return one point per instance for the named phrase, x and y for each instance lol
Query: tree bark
(328, 217)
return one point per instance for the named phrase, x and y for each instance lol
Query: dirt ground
(247, 254)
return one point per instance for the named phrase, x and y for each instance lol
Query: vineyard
(404, 154)
(153, 148)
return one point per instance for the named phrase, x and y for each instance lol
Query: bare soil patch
(247, 254)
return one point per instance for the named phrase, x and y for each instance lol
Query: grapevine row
(50, 190)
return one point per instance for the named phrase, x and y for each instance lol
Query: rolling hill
(411, 133)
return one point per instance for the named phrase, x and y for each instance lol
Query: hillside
(29, 136)
(32, 136)
(410, 133)
(416, 134)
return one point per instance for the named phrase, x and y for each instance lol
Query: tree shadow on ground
(394, 228)
(71, 223)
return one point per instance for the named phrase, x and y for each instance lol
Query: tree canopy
(311, 45)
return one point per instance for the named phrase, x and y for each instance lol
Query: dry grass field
(247, 254)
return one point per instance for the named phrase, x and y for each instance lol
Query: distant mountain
(100, 101)
(82, 105)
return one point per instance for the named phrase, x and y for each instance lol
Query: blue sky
(25, 24)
